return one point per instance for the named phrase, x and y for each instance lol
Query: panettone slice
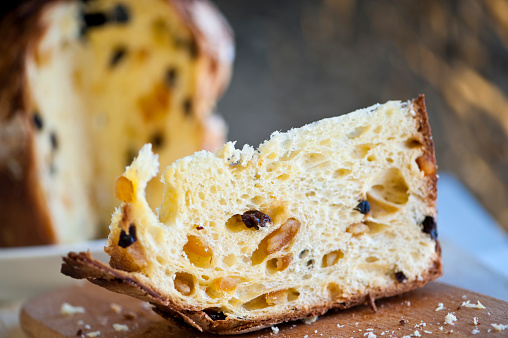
(324, 216)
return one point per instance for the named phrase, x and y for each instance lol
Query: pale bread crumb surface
(309, 182)
(69, 310)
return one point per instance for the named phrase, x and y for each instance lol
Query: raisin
(79, 333)
(429, 227)
(402, 322)
(37, 120)
(117, 56)
(200, 227)
(94, 19)
(215, 314)
(255, 219)
(171, 76)
(192, 47)
(157, 140)
(126, 240)
(187, 107)
(400, 276)
(363, 207)
(53, 140)
(120, 13)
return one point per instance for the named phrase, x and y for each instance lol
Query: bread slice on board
(324, 216)
(84, 85)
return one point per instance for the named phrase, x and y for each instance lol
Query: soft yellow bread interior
(314, 243)
(100, 91)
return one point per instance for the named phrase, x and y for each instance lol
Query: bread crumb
(439, 307)
(477, 306)
(310, 320)
(475, 331)
(339, 326)
(275, 329)
(499, 327)
(428, 332)
(475, 320)
(464, 296)
(116, 308)
(93, 334)
(67, 309)
(80, 322)
(417, 334)
(450, 318)
(120, 327)
(441, 328)
(370, 335)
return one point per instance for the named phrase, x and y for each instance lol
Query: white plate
(28, 271)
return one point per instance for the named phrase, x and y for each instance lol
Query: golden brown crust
(428, 147)
(82, 265)
(25, 214)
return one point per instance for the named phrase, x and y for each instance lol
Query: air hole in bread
(201, 195)
(332, 258)
(273, 298)
(342, 172)
(303, 254)
(313, 159)
(198, 252)
(378, 129)
(357, 229)
(257, 303)
(184, 283)
(361, 150)
(230, 260)
(284, 177)
(161, 260)
(290, 155)
(272, 156)
(279, 263)
(335, 291)
(389, 160)
(213, 189)
(371, 259)
(359, 131)
(390, 187)
(276, 241)
(257, 200)
(375, 228)
(222, 287)
(413, 143)
(371, 158)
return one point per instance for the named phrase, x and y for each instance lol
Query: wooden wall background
(299, 61)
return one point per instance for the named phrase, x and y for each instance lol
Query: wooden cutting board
(414, 313)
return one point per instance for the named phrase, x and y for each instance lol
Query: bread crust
(25, 214)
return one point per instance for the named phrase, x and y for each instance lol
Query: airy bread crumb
(68, 310)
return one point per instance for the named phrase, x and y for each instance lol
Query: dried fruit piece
(357, 228)
(427, 164)
(171, 77)
(125, 240)
(400, 276)
(124, 190)
(255, 219)
(120, 13)
(283, 262)
(282, 236)
(117, 56)
(222, 286)
(53, 140)
(332, 258)
(187, 107)
(37, 120)
(430, 227)
(198, 252)
(363, 207)
(184, 283)
(278, 297)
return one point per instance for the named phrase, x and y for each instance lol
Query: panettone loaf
(84, 85)
(324, 216)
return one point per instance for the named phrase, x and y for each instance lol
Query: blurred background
(302, 60)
